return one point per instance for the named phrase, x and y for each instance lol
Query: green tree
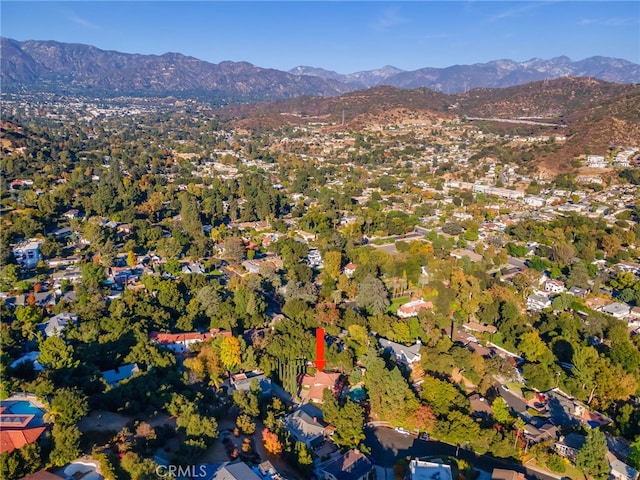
(634, 455)
(592, 457)
(348, 420)
(56, 354)
(66, 441)
(70, 406)
(372, 295)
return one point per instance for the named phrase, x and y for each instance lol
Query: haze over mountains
(75, 68)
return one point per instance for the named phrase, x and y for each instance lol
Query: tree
(501, 411)
(66, 440)
(230, 352)
(246, 424)
(131, 259)
(234, 250)
(592, 457)
(70, 406)
(611, 244)
(55, 354)
(348, 420)
(332, 263)
(634, 455)
(532, 346)
(372, 295)
(271, 441)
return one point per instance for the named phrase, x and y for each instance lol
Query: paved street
(387, 446)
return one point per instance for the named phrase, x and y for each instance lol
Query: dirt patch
(103, 420)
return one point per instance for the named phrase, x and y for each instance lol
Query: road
(387, 446)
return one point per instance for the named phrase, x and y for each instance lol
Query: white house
(596, 161)
(533, 201)
(350, 269)
(423, 470)
(537, 302)
(28, 254)
(402, 353)
(554, 286)
(617, 310)
(412, 308)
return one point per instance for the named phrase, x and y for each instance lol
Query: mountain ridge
(75, 67)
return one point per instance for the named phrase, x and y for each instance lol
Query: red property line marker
(320, 361)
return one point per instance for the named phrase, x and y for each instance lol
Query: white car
(402, 431)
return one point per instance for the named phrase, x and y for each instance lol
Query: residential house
(349, 269)
(229, 471)
(71, 213)
(42, 475)
(570, 445)
(617, 310)
(630, 267)
(55, 325)
(180, 343)
(28, 254)
(533, 201)
(306, 425)
(314, 258)
(42, 299)
(312, 387)
(539, 429)
(118, 374)
(538, 302)
(353, 465)
(407, 355)
(243, 381)
(565, 410)
(19, 429)
(412, 308)
(578, 292)
(503, 474)
(428, 470)
(463, 252)
(29, 357)
(554, 286)
(193, 267)
(619, 470)
(596, 161)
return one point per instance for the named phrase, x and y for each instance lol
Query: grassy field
(397, 303)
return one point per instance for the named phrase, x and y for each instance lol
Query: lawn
(397, 303)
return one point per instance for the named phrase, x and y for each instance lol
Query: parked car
(402, 431)
(424, 436)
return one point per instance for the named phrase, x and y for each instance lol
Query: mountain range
(75, 68)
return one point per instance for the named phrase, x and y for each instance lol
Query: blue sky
(341, 36)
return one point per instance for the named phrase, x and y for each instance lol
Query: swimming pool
(358, 393)
(22, 407)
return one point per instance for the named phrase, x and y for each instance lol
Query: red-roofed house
(312, 386)
(15, 431)
(412, 308)
(180, 342)
(350, 269)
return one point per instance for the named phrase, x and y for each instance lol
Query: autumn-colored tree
(271, 441)
(230, 352)
(131, 259)
(332, 263)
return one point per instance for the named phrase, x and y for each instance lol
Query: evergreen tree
(592, 457)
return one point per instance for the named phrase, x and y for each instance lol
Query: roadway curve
(387, 446)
